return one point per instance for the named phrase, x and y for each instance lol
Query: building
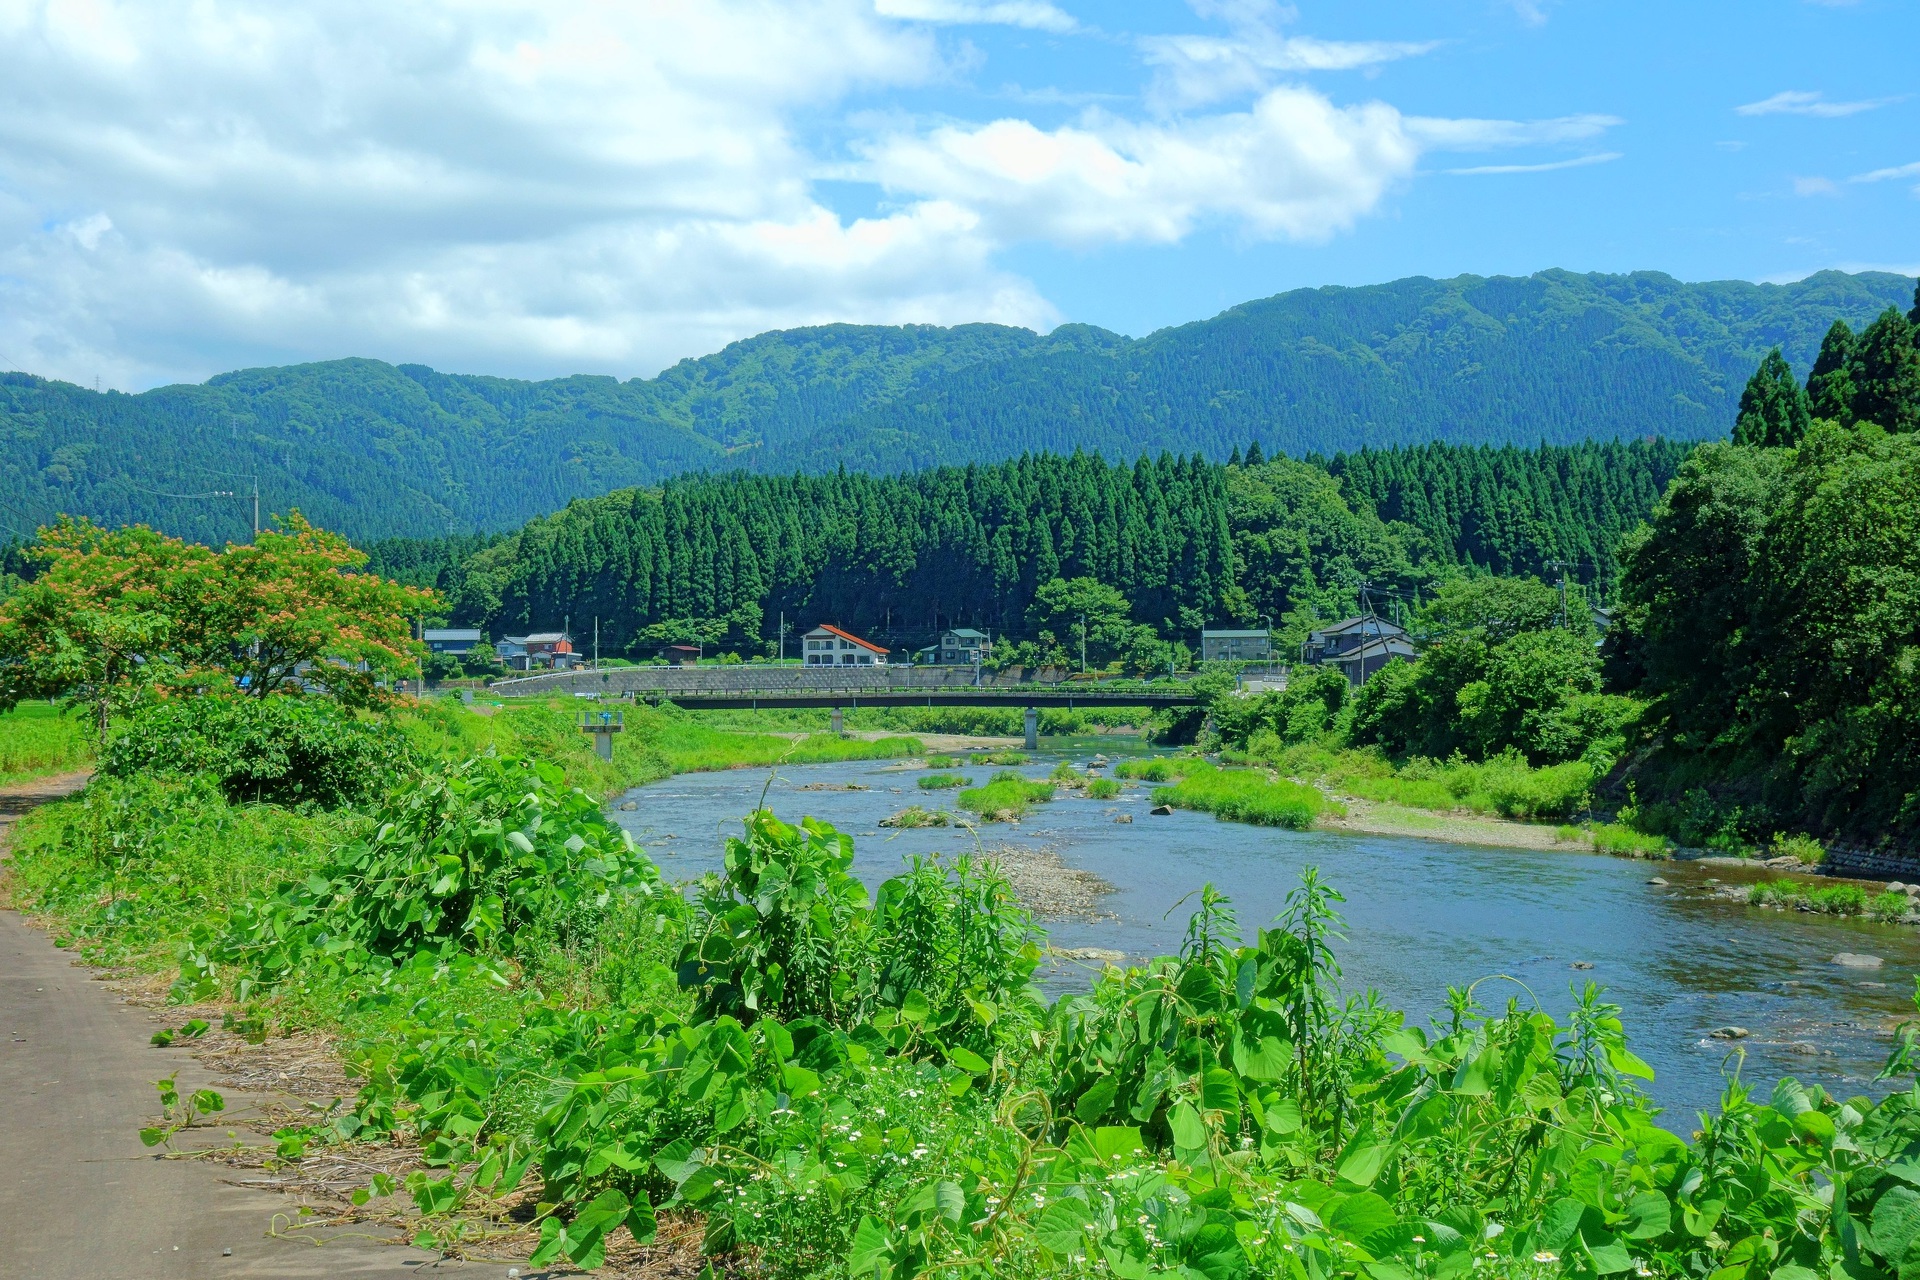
(1359, 646)
(829, 646)
(963, 646)
(680, 655)
(542, 650)
(458, 641)
(1236, 646)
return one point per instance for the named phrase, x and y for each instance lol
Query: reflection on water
(1421, 915)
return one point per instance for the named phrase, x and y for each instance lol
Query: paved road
(80, 1198)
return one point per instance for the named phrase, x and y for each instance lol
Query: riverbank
(1379, 818)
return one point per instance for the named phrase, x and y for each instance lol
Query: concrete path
(80, 1198)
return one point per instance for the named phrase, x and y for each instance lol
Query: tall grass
(1163, 769)
(1506, 786)
(37, 739)
(1245, 795)
(1006, 794)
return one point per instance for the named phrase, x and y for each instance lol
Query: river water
(1421, 915)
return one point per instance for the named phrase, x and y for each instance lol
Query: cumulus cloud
(1801, 102)
(520, 186)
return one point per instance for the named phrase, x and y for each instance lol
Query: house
(458, 641)
(963, 646)
(538, 651)
(680, 655)
(1328, 644)
(1371, 654)
(829, 646)
(1236, 646)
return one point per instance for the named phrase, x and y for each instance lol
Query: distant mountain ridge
(379, 450)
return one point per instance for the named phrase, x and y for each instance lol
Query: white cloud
(1815, 187)
(1532, 12)
(1294, 166)
(1012, 13)
(1893, 174)
(1578, 162)
(1195, 70)
(1801, 102)
(519, 186)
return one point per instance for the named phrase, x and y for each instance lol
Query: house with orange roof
(829, 646)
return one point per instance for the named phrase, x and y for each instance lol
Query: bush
(1888, 906)
(1103, 789)
(1804, 847)
(278, 750)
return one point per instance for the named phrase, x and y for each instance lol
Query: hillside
(378, 450)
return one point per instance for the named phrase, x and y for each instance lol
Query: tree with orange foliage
(291, 608)
(116, 614)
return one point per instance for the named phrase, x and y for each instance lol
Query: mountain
(378, 450)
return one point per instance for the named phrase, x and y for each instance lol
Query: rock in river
(1729, 1033)
(1161, 810)
(1854, 960)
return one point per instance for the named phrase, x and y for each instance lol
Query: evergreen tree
(1773, 409)
(1888, 390)
(1830, 386)
(1255, 457)
(1913, 316)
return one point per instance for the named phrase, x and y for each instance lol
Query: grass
(944, 762)
(1245, 795)
(914, 816)
(1162, 769)
(1506, 786)
(1001, 757)
(1103, 789)
(944, 782)
(1804, 847)
(37, 739)
(1830, 900)
(1624, 842)
(1006, 795)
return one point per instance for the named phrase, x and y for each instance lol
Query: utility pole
(1083, 644)
(1562, 566)
(783, 637)
(256, 508)
(596, 642)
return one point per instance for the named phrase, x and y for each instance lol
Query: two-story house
(538, 651)
(1359, 646)
(829, 646)
(963, 646)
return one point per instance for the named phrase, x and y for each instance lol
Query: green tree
(1888, 386)
(1494, 609)
(1830, 387)
(1066, 609)
(99, 624)
(1773, 408)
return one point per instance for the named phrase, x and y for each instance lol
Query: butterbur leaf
(1189, 1133)
(1648, 1215)
(868, 1255)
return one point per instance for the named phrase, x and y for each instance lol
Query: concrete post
(603, 746)
(1033, 729)
(839, 722)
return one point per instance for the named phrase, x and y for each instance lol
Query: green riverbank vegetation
(818, 1081)
(1006, 796)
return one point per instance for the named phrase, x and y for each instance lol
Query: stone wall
(1862, 863)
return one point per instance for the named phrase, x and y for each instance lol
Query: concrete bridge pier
(1033, 728)
(839, 723)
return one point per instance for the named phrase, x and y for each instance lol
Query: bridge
(751, 687)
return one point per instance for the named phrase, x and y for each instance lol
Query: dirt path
(80, 1198)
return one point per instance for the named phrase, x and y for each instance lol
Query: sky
(534, 188)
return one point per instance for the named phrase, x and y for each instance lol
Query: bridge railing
(747, 680)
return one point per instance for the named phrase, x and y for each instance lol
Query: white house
(963, 646)
(829, 646)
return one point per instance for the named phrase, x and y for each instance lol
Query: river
(1421, 915)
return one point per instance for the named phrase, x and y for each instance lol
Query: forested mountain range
(377, 450)
(1187, 542)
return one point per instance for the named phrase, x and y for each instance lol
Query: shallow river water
(1421, 914)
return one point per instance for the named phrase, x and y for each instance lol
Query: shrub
(1888, 906)
(1839, 900)
(1103, 789)
(1797, 845)
(281, 749)
(943, 762)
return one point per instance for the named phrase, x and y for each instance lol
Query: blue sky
(535, 187)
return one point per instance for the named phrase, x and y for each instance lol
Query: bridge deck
(1070, 698)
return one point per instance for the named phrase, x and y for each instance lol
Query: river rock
(1123, 817)
(1161, 810)
(1581, 964)
(1105, 955)
(1855, 960)
(1729, 1033)
(628, 806)
(1656, 880)
(1896, 886)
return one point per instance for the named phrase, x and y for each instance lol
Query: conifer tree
(1254, 456)
(1773, 409)
(1830, 386)
(1913, 316)
(1888, 388)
